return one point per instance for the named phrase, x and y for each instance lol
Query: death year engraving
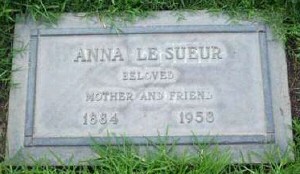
(188, 117)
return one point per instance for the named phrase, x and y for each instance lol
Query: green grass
(282, 15)
(126, 158)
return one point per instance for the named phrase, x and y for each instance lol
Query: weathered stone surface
(198, 78)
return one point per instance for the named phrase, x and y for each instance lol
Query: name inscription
(168, 54)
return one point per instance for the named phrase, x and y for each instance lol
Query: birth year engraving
(188, 117)
(102, 118)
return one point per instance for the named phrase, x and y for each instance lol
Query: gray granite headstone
(200, 78)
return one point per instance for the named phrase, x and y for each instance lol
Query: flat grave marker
(200, 78)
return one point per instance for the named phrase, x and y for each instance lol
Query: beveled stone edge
(232, 139)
